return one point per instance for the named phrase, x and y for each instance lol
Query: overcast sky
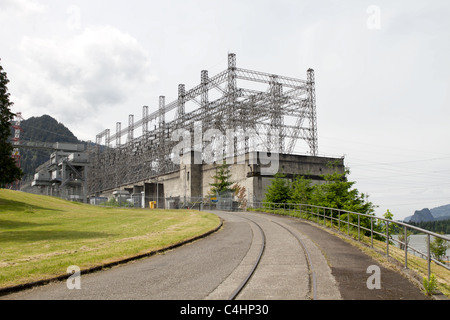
(382, 73)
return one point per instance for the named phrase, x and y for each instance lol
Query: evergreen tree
(438, 248)
(9, 172)
(439, 226)
(279, 190)
(392, 227)
(222, 180)
(338, 193)
(301, 190)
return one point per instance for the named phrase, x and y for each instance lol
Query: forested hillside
(41, 129)
(438, 226)
(434, 214)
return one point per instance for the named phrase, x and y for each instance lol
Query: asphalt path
(352, 269)
(188, 272)
(214, 266)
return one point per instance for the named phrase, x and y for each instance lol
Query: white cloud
(21, 8)
(75, 78)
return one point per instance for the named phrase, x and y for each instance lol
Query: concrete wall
(193, 180)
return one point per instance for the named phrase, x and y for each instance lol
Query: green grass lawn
(41, 236)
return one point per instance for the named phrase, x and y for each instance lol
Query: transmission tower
(16, 143)
(235, 111)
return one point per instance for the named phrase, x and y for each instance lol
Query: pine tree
(301, 190)
(9, 172)
(222, 180)
(278, 192)
(338, 193)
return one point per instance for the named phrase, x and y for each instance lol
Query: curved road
(213, 267)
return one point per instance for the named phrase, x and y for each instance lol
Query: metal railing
(373, 226)
(380, 227)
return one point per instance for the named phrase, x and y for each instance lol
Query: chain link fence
(223, 202)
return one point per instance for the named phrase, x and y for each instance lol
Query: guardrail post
(318, 215)
(331, 218)
(387, 238)
(429, 256)
(339, 220)
(406, 247)
(348, 224)
(371, 232)
(359, 228)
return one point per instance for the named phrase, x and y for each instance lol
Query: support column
(180, 110)
(118, 133)
(107, 138)
(231, 101)
(130, 127)
(144, 122)
(312, 112)
(162, 127)
(276, 134)
(162, 115)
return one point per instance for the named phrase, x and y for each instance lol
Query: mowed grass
(41, 236)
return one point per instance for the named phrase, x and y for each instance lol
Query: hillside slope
(41, 236)
(41, 129)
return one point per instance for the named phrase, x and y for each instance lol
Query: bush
(431, 285)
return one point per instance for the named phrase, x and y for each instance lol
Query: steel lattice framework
(231, 113)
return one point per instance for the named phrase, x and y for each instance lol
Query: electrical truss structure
(232, 113)
(16, 142)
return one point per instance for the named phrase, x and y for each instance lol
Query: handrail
(312, 208)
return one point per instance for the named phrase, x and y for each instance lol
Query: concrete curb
(29, 285)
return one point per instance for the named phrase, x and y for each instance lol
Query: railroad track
(255, 265)
(312, 287)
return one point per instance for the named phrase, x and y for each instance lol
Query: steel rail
(255, 265)
(312, 273)
(315, 211)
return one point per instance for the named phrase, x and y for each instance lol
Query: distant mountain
(422, 215)
(41, 129)
(425, 215)
(441, 213)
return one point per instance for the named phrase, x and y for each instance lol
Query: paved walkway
(349, 266)
(211, 260)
